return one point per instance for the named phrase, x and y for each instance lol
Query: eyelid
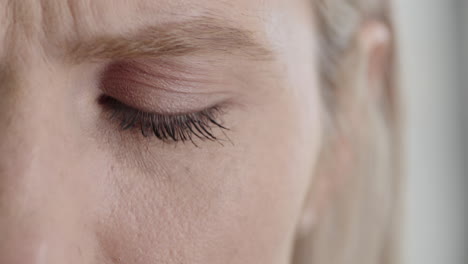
(158, 89)
(166, 127)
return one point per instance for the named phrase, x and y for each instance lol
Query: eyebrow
(199, 36)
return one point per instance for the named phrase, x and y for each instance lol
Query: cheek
(239, 201)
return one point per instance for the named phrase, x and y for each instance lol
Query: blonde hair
(361, 222)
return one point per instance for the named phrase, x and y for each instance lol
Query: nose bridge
(35, 202)
(28, 140)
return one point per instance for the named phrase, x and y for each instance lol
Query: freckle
(80, 253)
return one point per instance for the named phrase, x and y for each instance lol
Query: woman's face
(76, 187)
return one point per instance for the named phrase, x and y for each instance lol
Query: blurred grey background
(433, 35)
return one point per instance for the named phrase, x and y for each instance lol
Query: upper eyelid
(163, 125)
(147, 89)
(110, 101)
(176, 83)
(162, 74)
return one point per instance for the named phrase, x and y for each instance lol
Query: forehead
(58, 19)
(51, 24)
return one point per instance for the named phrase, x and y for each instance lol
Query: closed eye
(166, 127)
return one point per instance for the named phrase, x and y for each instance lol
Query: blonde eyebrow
(205, 35)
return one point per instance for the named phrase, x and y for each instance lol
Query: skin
(75, 188)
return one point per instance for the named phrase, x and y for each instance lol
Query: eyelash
(166, 127)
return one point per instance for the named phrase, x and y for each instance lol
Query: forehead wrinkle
(202, 35)
(67, 19)
(25, 16)
(40, 25)
(5, 24)
(20, 30)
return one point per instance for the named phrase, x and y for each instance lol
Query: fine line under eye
(166, 127)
